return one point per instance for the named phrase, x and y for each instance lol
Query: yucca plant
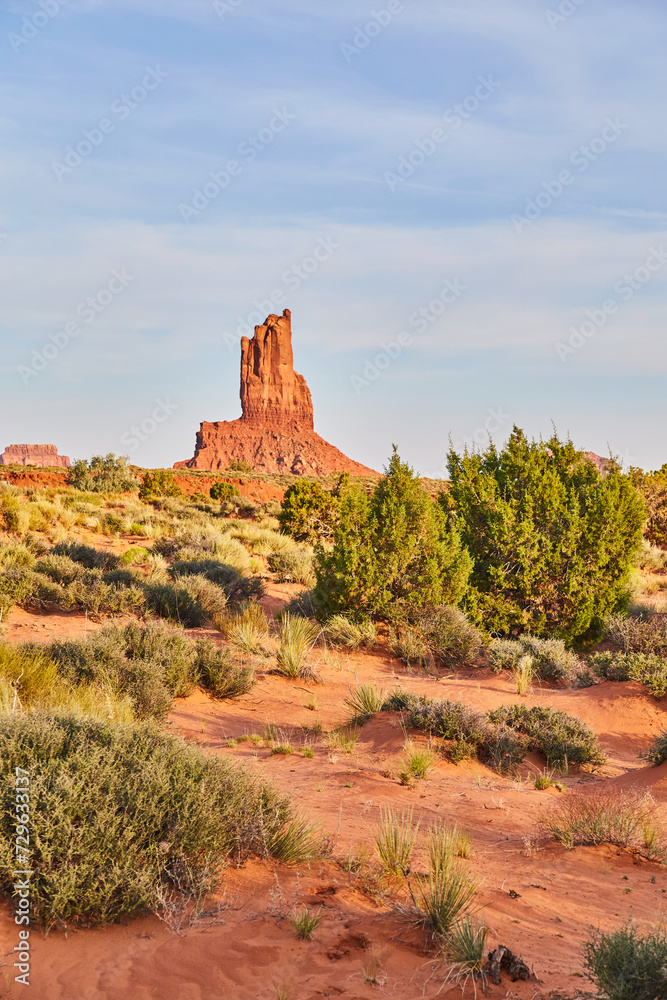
(395, 840)
(297, 635)
(446, 897)
(365, 701)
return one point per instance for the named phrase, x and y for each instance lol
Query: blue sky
(540, 200)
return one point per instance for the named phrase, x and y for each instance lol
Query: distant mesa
(275, 432)
(41, 455)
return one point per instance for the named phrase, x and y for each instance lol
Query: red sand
(240, 952)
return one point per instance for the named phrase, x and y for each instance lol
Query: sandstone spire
(271, 391)
(275, 433)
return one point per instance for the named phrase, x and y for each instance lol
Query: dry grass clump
(365, 701)
(297, 637)
(607, 817)
(247, 628)
(416, 764)
(304, 923)
(638, 634)
(395, 840)
(340, 630)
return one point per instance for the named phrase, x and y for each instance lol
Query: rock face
(275, 432)
(41, 455)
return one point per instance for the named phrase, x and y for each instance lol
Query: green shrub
(134, 555)
(391, 552)
(159, 483)
(86, 555)
(561, 739)
(627, 965)
(551, 660)
(114, 809)
(652, 558)
(294, 565)
(16, 556)
(365, 701)
(649, 669)
(16, 586)
(233, 585)
(224, 492)
(238, 465)
(656, 752)
(551, 538)
(409, 644)
(109, 474)
(309, 513)
(221, 675)
(450, 635)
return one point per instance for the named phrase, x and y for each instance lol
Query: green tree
(309, 512)
(653, 488)
(224, 492)
(552, 538)
(391, 552)
(103, 474)
(159, 483)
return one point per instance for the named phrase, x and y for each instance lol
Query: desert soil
(243, 946)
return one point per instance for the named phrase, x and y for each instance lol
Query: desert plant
(604, 817)
(551, 660)
(391, 552)
(108, 474)
(297, 636)
(451, 637)
(416, 764)
(647, 668)
(221, 675)
(159, 483)
(638, 634)
(340, 630)
(304, 923)
(627, 965)
(552, 539)
(149, 802)
(294, 565)
(344, 739)
(523, 674)
(295, 842)
(651, 557)
(309, 512)
(410, 645)
(653, 489)
(562, 739)
(395, 840)
(466, 946)
(224, 492)
(365, 701)
(445, 898)
(656, 752)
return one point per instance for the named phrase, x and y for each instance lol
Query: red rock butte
(42, 455)
(275, 432)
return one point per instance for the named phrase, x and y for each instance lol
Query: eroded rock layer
(41, 455)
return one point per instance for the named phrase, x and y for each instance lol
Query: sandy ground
(244, 948)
